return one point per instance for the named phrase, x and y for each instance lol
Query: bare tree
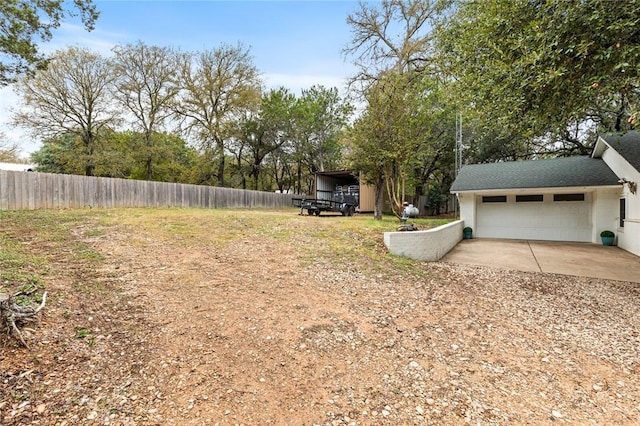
(147, 84)
(217, 86)
(396, 34)
(72, 96)
(8, 150)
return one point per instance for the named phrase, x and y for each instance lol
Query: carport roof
(577, 171)
(339, 174)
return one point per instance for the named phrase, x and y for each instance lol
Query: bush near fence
(29, 190)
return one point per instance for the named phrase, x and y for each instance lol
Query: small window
(623, 211)
(528, 198)
(494, 199)
(568, 197)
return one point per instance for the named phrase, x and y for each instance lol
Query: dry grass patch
(190, 317)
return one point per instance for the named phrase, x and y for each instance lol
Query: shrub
(607, 234)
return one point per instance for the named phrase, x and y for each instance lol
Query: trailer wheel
(317, 212)
(351, 211)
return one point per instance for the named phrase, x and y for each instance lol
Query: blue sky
(294, 43)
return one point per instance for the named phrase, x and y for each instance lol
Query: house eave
(537, 190)
(600, 147)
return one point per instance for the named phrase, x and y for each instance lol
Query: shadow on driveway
(581, 259)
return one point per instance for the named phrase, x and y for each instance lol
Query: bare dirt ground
(265, 320)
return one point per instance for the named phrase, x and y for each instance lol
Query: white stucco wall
(467, 202)
(605, 211)
(429, 245)
(628, 237)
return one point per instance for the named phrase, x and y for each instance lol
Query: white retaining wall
(429, 245)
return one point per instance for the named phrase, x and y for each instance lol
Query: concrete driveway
(581, 259)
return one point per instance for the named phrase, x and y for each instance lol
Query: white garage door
(525, 217)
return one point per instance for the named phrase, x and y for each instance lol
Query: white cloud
(98, 40)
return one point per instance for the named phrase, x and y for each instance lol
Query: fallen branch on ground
(10, 312)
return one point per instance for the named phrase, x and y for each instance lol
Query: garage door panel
(548, 220)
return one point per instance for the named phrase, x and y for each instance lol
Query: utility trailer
(341, 202)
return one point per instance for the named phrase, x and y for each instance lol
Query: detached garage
(558, 199)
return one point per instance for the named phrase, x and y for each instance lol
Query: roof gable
(549, 173)
(627, 145)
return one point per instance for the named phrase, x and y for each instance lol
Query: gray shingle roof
(628, 145)
(549, 173)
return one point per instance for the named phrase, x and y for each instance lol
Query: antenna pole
(458, 151)
(458, 142)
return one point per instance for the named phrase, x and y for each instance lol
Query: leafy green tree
(405, 139)
(279, 168)
(115, 154)
(378, 151)
(59, 155)
(172, 158)
(400, 140)
(147, 86)
(217, 87)
(120, 155)
(542, 69)
(366, 156)
(72, 96)
(294, 136)
(23, 23)
(264, 132)
(431, 123)
(321, 116)
(65, 154)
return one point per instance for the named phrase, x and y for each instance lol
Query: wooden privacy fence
(29, 190)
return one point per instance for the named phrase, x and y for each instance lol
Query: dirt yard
(178, 317)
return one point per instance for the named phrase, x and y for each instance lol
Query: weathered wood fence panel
(30, 190)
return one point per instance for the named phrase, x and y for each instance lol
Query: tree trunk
(299, 177)
(87, 141)
(620, 114)
(149, 168)
(221, 164)
(379, 197)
